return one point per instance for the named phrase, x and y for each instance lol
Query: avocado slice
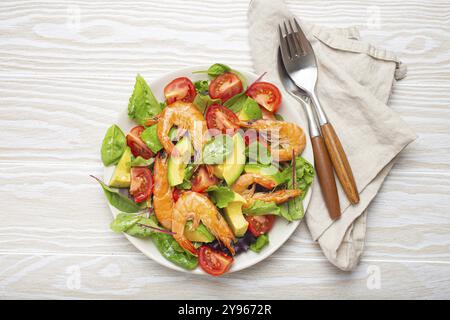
(234, 216)
(200, 234)
(121, 177)
(233, 165)
(269, 171)
(250, 110)
(178, 161)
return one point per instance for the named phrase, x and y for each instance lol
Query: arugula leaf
(201, 86)
(259, 207)
(218, 149)
(261, 242)
(221, 195)
(204, 101)
(113, 145)
(118, 200)
(215, 70)
(143, 104)
(141, 162)
(150, 137)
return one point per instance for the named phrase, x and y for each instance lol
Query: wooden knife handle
(325, 174)
(340, 162)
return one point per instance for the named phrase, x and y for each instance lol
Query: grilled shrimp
(162, 193)
(247, 180)
(291, 137)
(279, 196)
(196, 206)
(185, 116)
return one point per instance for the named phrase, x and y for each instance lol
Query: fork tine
(306, 46)
(289, 41)
(283, 44)
(298, 46)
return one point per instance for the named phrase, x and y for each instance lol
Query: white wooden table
(68, 68)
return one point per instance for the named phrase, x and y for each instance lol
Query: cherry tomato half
(225, 86)
(176, 193)
(202, 180)
(221, 118)
(179, 89)
(137, 146)
(141, 183)
(214, 262)
(259, 225)
(266, 95)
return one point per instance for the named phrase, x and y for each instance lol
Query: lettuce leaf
(221, 195)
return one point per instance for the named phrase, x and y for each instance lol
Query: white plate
(281, 230)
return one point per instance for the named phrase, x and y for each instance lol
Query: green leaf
(188, 172)
(215, 70)
(150, 137)
(279, 117)
(118, 200)
(259, 207)
(236, 103)
(141, 162)
(204, 101)
(221, 195)
(218, 149)
(261, 242)
(113, 145)
(173, 252)
(140, 231)
(124, 221)
(143, 104)
(201, 86)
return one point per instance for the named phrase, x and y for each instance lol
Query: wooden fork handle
(340, 162)
(325, 174)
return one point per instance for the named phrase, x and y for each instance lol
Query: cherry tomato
(176, 193)
(214, 262)
(266, 94)
(202, 180)
(225, 86)
(180, 89)
(259, 225)
(141, 183)
(267, 115)
(137, 146)
(221, 118)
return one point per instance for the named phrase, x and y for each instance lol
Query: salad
(206, 173)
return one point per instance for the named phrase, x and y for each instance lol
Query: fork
(300, 63)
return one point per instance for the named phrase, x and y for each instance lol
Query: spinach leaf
(118, 200)
(218, 149)
(221, 196)
(261, 242)
(279, 117)
(204, 101)
(124, 221)
(150, 137)
(143, 104)
(215, 70)
(113, 145)
(259, 207)
(141, 162)
(173, 252)
(201, 86)
(236, 103)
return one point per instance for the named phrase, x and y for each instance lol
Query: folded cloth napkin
(354, 83)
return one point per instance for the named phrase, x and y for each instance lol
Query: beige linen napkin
(354, 84)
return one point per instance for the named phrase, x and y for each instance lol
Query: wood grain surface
(67, 68)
